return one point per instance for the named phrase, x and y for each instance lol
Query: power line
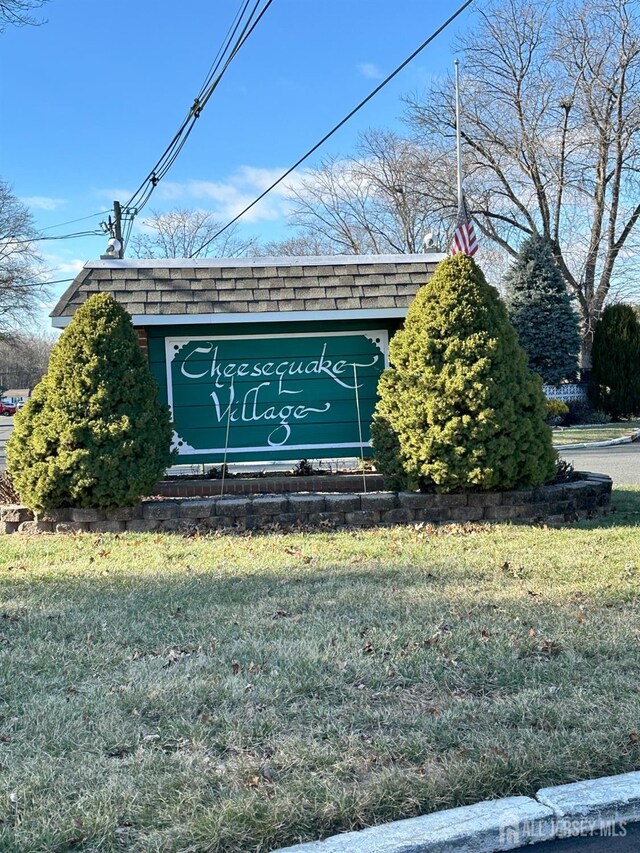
(226, 42)
(24, 284)
(139, 199)
(9, 241)
(241, 28)
(72, 221)
(337, 127)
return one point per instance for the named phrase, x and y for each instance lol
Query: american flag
(464, 237)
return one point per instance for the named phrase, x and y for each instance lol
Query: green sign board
(265, 397)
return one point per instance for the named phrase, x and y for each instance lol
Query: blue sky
(91, 98)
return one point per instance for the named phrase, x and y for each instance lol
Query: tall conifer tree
(541, 311)
(615, 378)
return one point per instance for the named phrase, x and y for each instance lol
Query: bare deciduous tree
(19, 12)
(385, 199)
(24, 359)
(551, 133)
(302, 243)
(181, 233)
(21, 288)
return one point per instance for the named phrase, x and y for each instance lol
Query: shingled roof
(162, 292)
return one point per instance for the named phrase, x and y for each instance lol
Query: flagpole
(458, 143)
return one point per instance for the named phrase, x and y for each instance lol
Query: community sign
(281, 396)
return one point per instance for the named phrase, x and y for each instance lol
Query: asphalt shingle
(257, 285)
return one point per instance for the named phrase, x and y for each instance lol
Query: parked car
(7, 409)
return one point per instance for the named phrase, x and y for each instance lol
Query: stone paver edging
(578, 809)
(555, 504)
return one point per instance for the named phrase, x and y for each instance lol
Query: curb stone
(613, 798)
(497, 825)
(610, 442)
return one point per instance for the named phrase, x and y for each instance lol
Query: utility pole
(117, 227)
(115, 246)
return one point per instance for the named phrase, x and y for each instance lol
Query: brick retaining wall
(555, 504)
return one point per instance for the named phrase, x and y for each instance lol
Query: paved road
(626, 841)
(621, 462)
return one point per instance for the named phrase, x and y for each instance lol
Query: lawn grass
(238, 693)
(596, 432)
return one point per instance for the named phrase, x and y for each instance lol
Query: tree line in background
(551, 150)
(24, 360)
(21, 268)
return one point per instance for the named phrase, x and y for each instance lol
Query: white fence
(574, 393)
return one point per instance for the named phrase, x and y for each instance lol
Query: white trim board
(281, 261)
(256, 317)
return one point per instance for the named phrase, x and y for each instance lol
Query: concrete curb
(610, 442)
(580, 808)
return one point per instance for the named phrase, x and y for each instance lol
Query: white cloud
(119, 193)
(59, 267)
(229, 197)
(43, 202)
(73, 267)
(368, 69)
(225, 198)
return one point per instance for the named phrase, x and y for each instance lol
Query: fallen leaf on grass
(177, 655)
(119, 751)
(149, 736)
(550, 648)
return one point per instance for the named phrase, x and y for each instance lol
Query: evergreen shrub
(615, 377)
(541, 310)
(93, 433)
(466, 411)
(556, 412)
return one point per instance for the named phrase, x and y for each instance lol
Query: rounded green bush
(466, 410)
(556, 412)
(93, 433)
